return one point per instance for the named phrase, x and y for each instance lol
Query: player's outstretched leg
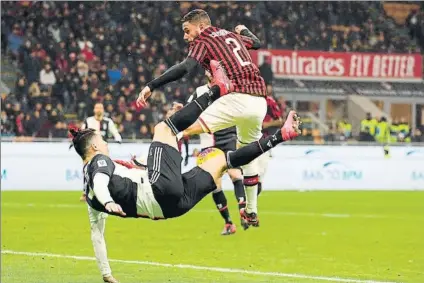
(246, 154)
(202, 180)
(185, 117)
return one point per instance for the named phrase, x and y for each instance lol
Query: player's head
(88, 142)
(194, 23)
(99, 109)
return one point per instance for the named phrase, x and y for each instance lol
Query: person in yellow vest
(394, 131)
(382, 132)
(368, 128)
(404, 131)
(345, 129)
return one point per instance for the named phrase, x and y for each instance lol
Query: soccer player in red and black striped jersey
(244, 108)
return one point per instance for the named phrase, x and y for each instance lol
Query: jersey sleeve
(247, 41)
(101, 164)
(197, 51)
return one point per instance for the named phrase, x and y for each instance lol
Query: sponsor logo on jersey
(101, 163)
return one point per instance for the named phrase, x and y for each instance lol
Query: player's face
(100, 145)
(99, 109)
(191, 31)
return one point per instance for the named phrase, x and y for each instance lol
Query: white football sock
(251, 198)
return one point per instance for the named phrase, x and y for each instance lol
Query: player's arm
(114, 131)
(102, 168)
(250, 40)
(174, 73)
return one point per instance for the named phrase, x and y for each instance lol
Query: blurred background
(352, 69)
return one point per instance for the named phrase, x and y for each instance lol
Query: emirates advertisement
(341, 66)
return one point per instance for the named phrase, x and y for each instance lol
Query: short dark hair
(197, 15)
(81, 140)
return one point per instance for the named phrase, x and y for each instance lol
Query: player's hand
(115, 208)
(110, 279)
(239, 28)
(143, 95)
(83, 197)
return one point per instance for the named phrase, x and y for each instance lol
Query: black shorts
(176, 193)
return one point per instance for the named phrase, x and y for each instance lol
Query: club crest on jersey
(101, 163)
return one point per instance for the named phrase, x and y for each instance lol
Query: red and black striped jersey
(273, 113)
(231, 50)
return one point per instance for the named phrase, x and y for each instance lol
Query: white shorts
(263, 161)
(244, 111)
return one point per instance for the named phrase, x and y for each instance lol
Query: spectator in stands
(418, 136)
(47, 76)
(128, 127)
(266, 71)
(368, 128)
(33, 123)
(21, 88)
(6, 125)
(144, 133)
(15, 41)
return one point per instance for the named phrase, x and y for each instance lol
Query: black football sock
(185, 117)
(240, 193)
(248, 153)
(259, 188)
(221, 203)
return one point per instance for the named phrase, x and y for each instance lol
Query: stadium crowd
(71, 55)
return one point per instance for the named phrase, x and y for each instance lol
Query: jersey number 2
(236, 49)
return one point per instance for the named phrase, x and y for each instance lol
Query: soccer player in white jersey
(159, 190)
(103, 124)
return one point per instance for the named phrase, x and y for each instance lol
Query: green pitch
(304, 237)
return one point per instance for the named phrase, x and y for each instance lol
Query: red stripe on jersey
(229, 49)
(197, 51)
(273, 111)
(248, 42)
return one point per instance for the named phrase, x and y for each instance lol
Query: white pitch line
(262, 212)
(207, 268)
